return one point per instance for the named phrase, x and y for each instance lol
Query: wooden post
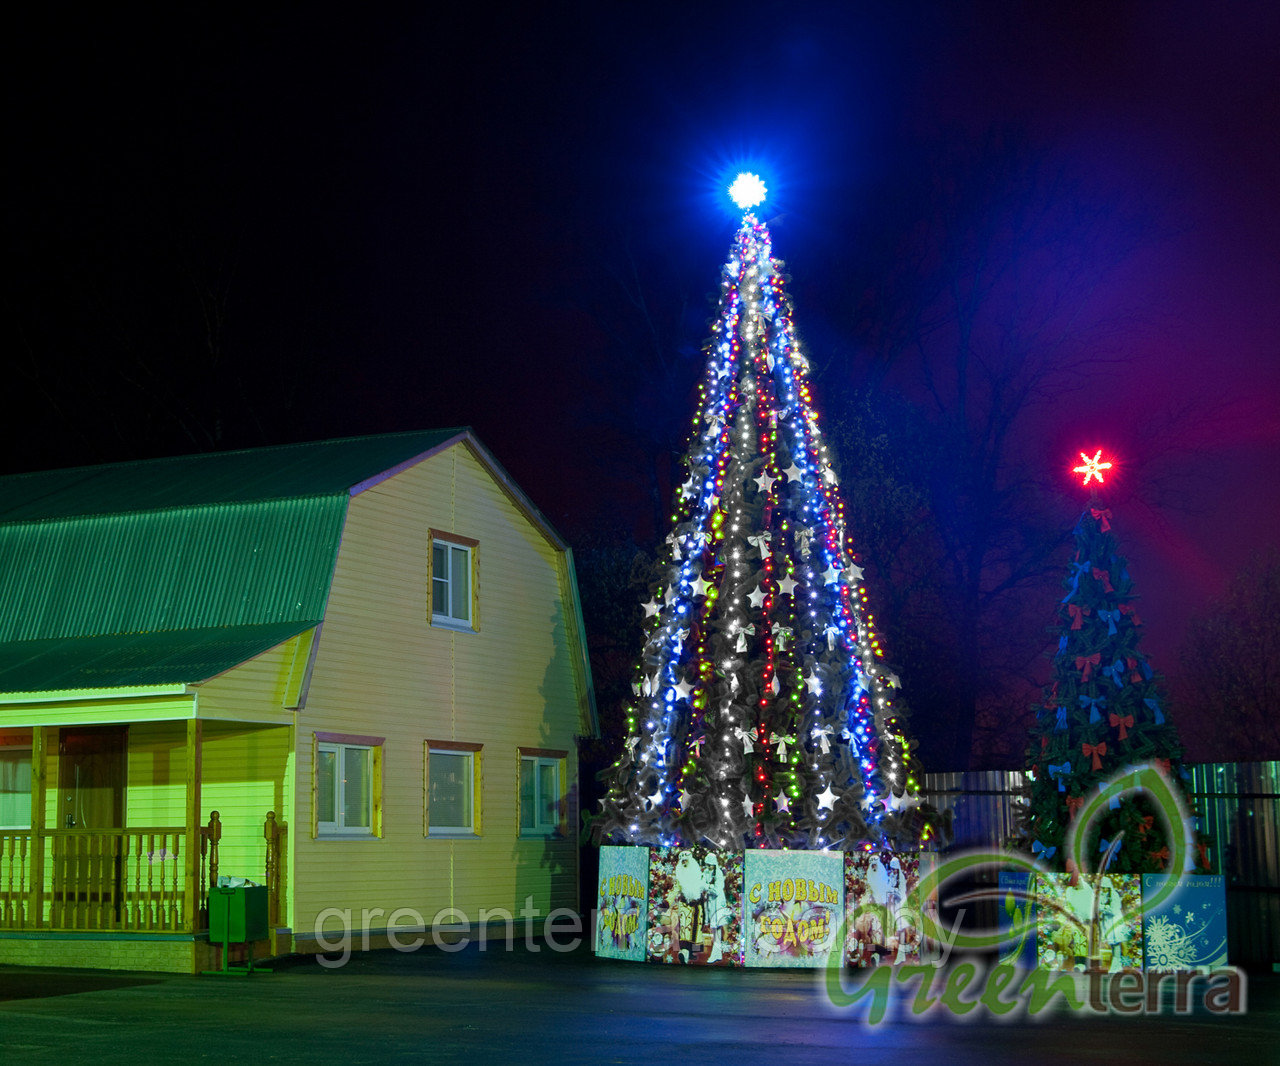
(276, 834)
(39, 775)
(191, 896)
(269, 832)
(211, 835)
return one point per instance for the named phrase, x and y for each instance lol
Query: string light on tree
(764, 715)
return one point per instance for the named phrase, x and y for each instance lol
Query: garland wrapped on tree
(764, 714)
(1103, 712)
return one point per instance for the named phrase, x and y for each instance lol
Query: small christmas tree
(764, 714)
(1102, 713)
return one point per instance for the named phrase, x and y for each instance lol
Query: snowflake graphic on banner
(1170, 946)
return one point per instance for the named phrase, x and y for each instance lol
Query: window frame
(470, 546)
(474, 756)
(23, 751)
(340, 744)
(540, 758)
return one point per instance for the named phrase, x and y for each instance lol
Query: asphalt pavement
(539, 1006)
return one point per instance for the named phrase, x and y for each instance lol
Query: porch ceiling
(175, 657)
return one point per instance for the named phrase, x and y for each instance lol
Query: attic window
(453, 585)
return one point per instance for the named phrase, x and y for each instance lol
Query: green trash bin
(238, 916)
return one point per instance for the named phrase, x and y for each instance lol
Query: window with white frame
(452, 787)
(540, 791)
(15, 787)
(347, 785)
(452, 580)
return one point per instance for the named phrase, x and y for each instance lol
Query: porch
(105, 856)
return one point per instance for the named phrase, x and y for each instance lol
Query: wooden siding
(382, 668)
(156, 784)
(259, 690)
(96, 712)
(245, 768)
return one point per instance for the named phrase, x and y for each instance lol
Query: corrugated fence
(1238, 805)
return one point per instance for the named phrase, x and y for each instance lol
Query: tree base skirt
(703, 906)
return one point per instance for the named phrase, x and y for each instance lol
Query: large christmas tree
(764, 713)
(1103, 712)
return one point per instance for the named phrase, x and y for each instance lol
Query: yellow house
(352, 671)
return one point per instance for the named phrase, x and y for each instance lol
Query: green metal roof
(182, 657)
(291, 470)
(167, 570)
(181, 568)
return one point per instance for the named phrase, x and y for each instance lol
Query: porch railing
(15, 866)
(126, 880)
(129, 879)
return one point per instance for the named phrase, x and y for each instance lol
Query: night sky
(233, 226)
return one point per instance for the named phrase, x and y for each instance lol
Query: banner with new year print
(1188, 929)
(1016, 918)
(695, 906)
(1089, 923)
(881, 926)
(622, 903)
(792, 905)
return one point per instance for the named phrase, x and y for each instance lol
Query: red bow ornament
(1086, 663)
(1077, 614)
(1097, 751)
(1074, 803)
(1101, 575)
(1125, 723)
(1165, 765)
(1102, 517)
(1160, 857)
